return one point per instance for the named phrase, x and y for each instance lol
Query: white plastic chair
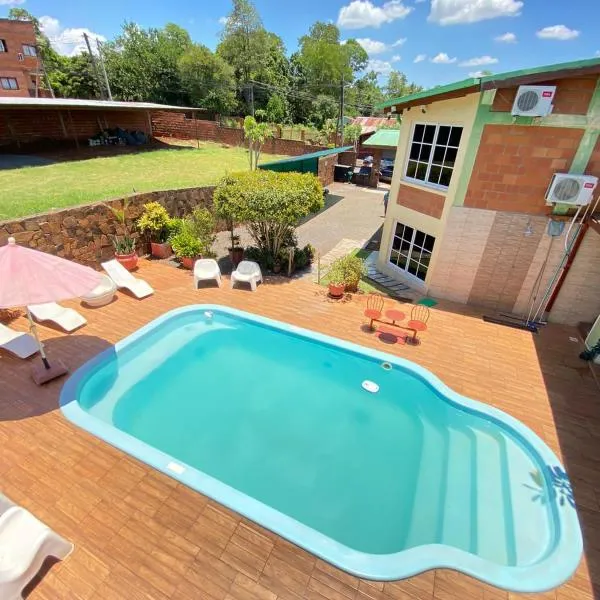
(102, 294)
(206, 269)
(248, 272)
(25, 542)
(67, 318)
(124, 279)
(18, 343)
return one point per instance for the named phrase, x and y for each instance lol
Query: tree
(398, 86)
(276, 109)
(256, 134)
(208, 79)
(352, 132)
(142, 64)
(73, 76)
(269, 203)
(363, 95)
(323, 108)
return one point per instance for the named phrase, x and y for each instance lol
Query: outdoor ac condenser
(571, 189)
(534, 100)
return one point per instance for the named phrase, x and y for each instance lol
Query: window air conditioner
(571, 189)
(534, 100)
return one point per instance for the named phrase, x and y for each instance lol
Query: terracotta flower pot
(236, 255)
(336, 290)
(187, 262)
(160, 250)
(129, 261)
(351, 287)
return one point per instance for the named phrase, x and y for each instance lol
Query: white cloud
(383, 67)
(223, 20)
(68, 41)
(451, 12)
(363, 13)
(479, 61)
(507, 38)
(9, 2)
(597, 52)
(420, 58)
(477, 74)
(396, 58)
(372, 46)
(557, 32)
(398, 42)
(443, 59)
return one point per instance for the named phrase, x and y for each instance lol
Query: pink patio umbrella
(32, 277)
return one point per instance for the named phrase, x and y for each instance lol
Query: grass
(31, 190)
(364, 285)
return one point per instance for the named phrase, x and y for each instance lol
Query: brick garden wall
(515, 164)
(82, 233)
(427, 203)
(326, 168)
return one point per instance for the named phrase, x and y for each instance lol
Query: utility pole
(103, 69)
(42, 67)
(341, 120)
(252, 98)
(94, 64)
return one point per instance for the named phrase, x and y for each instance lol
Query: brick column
(374, 178)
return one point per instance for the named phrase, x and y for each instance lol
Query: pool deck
(139, 534)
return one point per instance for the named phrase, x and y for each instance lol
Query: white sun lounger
(249, 272)
(124, 279)
(19, 343)
(206, 269)
(25, 542)
(67, 318)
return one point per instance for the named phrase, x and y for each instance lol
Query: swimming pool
(274, 422)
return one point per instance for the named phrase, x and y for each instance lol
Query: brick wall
(15, 34)
(572, 96)
(515, 164)
(39, 128)
(347, 158)
(326, 168)
(82, 233)
(174, 124)
(420, 200)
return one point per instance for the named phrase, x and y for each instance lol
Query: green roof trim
(310, 155)
(465, 84)
(383, 138)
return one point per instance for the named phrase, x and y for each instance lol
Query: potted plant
(236, 252)
(187, 247)
(124, 244)
(155, 222)
(336, 281)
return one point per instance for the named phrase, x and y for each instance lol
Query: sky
(432, 41)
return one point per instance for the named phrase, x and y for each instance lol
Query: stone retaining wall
(82, 233)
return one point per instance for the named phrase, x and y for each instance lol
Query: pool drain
(370, 386)
(386, 366)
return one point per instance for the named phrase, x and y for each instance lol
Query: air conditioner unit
(571, 189)
(534, 100)
(20, 56)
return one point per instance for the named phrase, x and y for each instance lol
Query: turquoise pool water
(275, 423)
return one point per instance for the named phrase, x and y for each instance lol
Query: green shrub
(175, 226)
(347, 270)
(202, 224)
(185, 244)
(154, 221)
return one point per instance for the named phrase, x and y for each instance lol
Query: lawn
(32, 190)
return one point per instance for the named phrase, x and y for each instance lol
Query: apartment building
(19, 62)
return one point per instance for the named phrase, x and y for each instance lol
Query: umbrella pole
(33, 330)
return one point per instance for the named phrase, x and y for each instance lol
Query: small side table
(394, 315)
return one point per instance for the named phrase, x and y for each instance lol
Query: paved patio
(138, 534)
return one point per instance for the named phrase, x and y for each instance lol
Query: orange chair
(419, 316)
(374, 308)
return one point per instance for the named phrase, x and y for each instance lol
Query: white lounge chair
(124, 279)
(67, 318)
(248, 272)
(19, 343)
(206, 269)
(25, 542)
(102, 294)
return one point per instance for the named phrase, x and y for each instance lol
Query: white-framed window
(9, 83)
(411, 250)
(3, 46)
(29, 50)
(432, 153)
